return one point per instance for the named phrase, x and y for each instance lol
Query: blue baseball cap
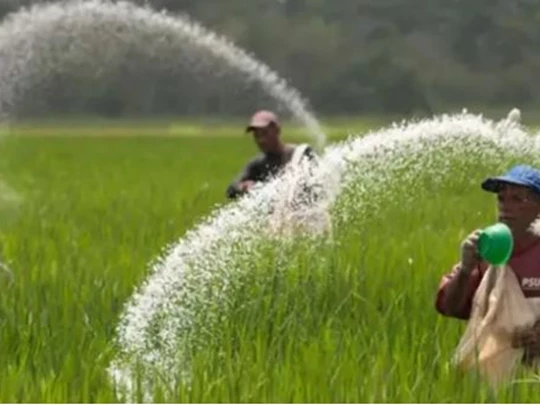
(520, 175)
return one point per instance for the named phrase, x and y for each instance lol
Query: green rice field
(349, 322)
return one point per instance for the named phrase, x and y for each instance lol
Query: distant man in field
(518, 196)
(302, 208)
(276, 154)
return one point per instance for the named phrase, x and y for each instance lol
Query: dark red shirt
(526, 266)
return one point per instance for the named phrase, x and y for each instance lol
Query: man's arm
(235, 188)
(456, 291)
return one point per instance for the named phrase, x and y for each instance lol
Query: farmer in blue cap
(518, 197)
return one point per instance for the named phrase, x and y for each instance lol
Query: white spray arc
(93, 36)
(161, 325)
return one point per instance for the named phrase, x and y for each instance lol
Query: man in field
(302, 207)
(276, 154)
(518, 196)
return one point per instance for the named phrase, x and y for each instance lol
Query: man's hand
(470, 257)
(528, 336)
(528, 339)
(246, 185)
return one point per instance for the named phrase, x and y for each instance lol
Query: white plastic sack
(499, 308)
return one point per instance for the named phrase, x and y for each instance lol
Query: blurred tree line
(354, 56)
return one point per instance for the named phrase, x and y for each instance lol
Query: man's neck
(280, 151)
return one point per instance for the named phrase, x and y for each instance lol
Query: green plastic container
(496, 244)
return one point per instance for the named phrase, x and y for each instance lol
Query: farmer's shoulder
(258, 159)
(256, 162)
(308, 151)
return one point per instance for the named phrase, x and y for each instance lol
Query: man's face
(518, 207)
(267, 138)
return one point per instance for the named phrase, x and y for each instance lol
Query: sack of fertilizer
(499, 309)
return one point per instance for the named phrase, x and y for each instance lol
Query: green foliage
(350, 322)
